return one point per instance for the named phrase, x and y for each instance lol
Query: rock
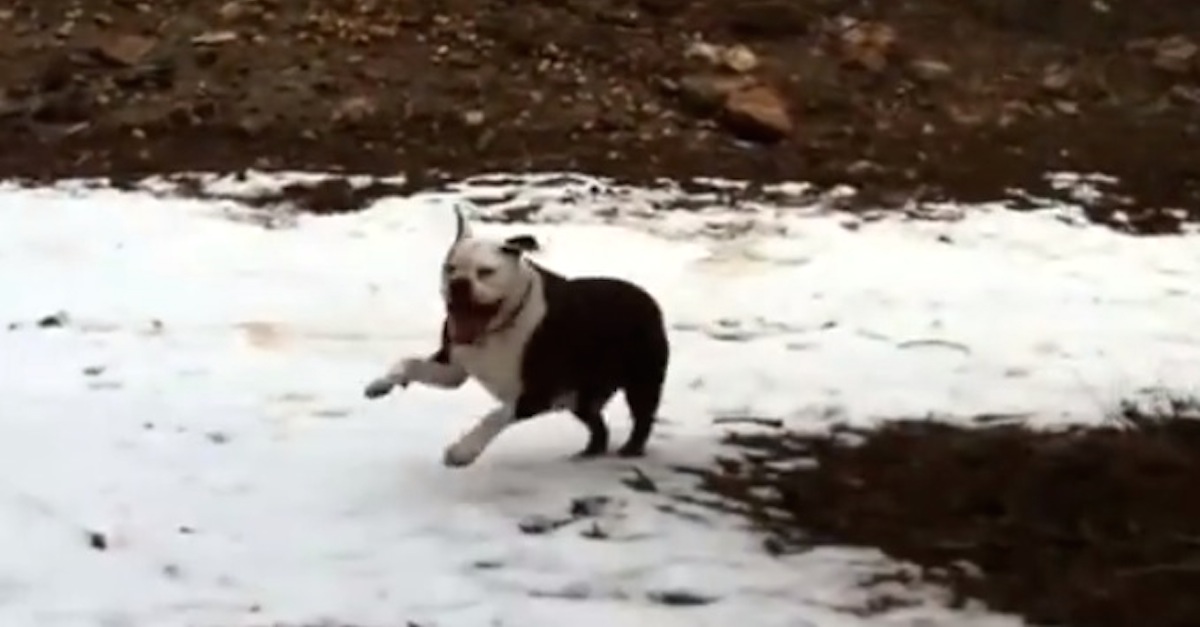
(868, 44)
(639, 482)
(930, 70)
(250, 126)
(354, 109)
(863, 167)
(1066, 107)
(1056, 78)
(758, 113)
(65, 29)
(1185, 94)
(750, 110)
(739, 58)
(1175, 54)
(213, 38)
(1142, 45)
(232, 10)
(473, 118)
(126, 50)
(965, 116)
(703, 51)
(680, 598)
(589, 506)
(708, 93)
(538, 524)
(97, 540)
(54, 320)
(595, 532)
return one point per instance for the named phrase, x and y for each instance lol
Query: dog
(538, 341)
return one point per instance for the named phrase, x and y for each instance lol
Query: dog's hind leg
(643, 386)
(643, 395)
(589, 409)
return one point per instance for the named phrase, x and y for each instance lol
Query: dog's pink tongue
(466, 329)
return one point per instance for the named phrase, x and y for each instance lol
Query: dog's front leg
(467, 448)
(428, 370)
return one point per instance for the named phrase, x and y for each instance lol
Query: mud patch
(908, 101)
(1083, 527)
(326, 195)
(266, 336)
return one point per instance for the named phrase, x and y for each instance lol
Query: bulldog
(539, 342)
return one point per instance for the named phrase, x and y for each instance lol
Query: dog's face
(480, 279)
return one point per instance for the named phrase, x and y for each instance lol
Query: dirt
(1083, 528)
(906, 99)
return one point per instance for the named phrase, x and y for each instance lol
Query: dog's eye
(447, 269)
(484, 273)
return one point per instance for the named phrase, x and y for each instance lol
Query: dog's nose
(460, 290)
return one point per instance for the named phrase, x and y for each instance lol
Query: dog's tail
(461, 228)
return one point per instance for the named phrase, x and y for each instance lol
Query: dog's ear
(518, 244)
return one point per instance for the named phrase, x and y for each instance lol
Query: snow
(201, 408)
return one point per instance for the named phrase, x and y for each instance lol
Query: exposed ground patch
(1085, 527)
(905, 99)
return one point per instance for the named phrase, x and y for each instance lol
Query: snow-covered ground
(200, 410)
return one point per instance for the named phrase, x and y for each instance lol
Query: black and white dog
(537, 342)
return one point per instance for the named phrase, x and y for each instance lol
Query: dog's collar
(511, 318)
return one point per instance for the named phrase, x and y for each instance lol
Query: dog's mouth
(469, 321)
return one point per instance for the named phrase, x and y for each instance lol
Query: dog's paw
(408, 369)
(631, 451)
(379, 387)
(459, 455)
(591, 452)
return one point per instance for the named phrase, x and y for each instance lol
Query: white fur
(495, 276)
(495, 360)
(447, 376)
(467, 448)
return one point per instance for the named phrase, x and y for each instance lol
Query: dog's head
(483, 280)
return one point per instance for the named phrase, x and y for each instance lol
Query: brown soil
(904, 98)
(1087, 528)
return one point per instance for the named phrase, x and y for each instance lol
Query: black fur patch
(599, 336)
(518, 244)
